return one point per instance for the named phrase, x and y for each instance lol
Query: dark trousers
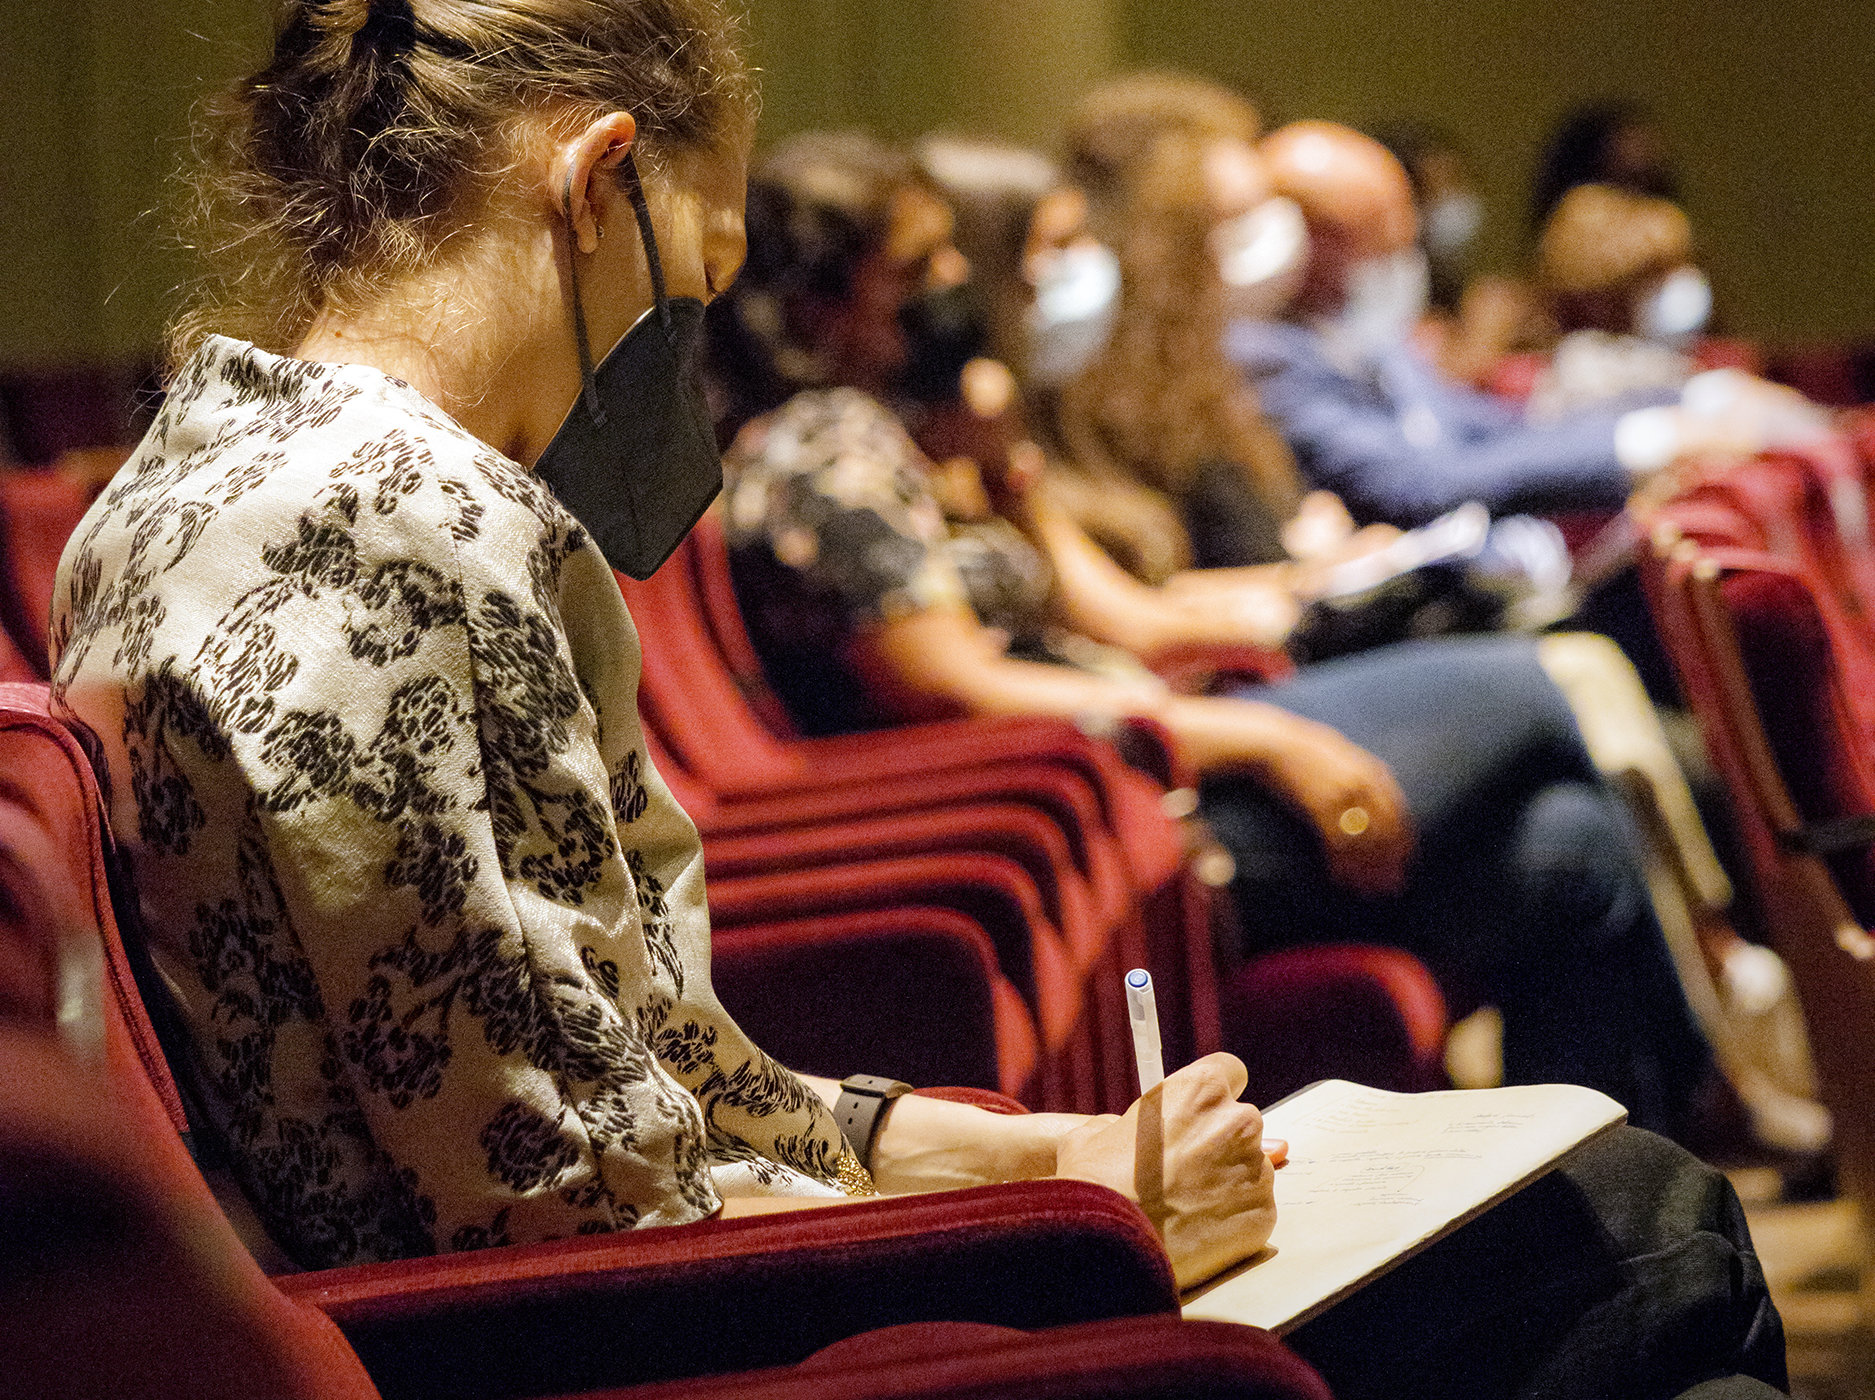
(1525, 891)
(1627, 1272)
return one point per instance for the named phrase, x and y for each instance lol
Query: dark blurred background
(1769, 110)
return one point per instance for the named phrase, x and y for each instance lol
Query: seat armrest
(728, 1295)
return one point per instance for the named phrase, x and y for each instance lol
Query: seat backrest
(38, 512)
(139, 1285)
(687, 694)
(115, 1282)
(707, 550)
(48, 784)
(1754, 657)
(1801, 695)
(1142, 1358)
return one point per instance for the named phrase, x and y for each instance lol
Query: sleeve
(836, 491)
(436, 820)
(1359, 445)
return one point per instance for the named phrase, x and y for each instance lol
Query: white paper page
(1373, 1177)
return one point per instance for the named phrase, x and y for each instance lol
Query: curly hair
(1161, 402)
(1111, 134)
(380, 129)
(820, 203)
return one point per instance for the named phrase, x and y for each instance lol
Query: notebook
(1374, 1177)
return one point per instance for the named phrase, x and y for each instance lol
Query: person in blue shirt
(1372, 420)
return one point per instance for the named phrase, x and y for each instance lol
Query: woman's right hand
(1352, 800)
(1193, 1157)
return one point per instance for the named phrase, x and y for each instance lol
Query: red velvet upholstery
(1173, 938)
(61, 409)
(115, 1283)
(1821, 748)
(1754, 655)
(537, 1319)
(731, 1294)
(909, 992)
(38, 512)
(1371, 1015)
(691, 692)
(1839, 375)
(1128, 1359)
(992, 891)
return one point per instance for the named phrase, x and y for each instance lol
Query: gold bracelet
(852, 1178)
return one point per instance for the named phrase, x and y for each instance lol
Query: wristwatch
(864, 1101)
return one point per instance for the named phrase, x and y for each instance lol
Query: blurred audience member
(1137, 407)
(1451, 213)
(1043, 294)
(1473, 319)
(1631, 304)
(1614, 143)
(1372, 420)
(1504, 863)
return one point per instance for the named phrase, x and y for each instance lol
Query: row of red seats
(1761, 577)
(951, 904)
(1067, 858)
(120, 1275)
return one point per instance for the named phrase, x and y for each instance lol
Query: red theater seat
(39, 509)
(522, 1321)
(1129, 1359)
(1756, 659)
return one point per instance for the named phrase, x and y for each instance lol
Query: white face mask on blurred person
(1676, 310)
(1261, 256)
(1449, 223)
(1387, 296)
(1077, 295)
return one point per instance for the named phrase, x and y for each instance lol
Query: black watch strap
(864, 1101)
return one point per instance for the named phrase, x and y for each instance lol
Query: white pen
(1143, 1014)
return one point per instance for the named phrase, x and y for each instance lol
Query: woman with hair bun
(347, 633)
(364, 690)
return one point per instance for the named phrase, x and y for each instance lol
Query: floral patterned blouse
(833, 527)
(366, 695)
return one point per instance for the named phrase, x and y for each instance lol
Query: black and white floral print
(834, 528)
(435, 924)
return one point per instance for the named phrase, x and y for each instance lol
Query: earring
(601, 228)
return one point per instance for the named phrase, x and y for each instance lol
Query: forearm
(936, 1145)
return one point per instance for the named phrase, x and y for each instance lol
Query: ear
(581, 186)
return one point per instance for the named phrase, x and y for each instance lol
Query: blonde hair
(380, 129)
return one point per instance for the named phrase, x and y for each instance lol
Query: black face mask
(636, 459)
(943, 333)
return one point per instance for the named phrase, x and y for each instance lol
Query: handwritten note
(1374, 1177)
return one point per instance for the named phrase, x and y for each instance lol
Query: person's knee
(1575, 866)
(1649, 1194)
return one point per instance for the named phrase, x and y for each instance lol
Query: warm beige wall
(1771, 106)
(47, 309)
(902, 67)
(97, 95)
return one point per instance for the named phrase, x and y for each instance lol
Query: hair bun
(387, 26)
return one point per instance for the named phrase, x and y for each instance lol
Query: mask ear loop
(635, 192)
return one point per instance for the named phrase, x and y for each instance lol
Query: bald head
(1355, 195)
(1345, 183)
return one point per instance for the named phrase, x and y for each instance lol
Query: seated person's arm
(1095, 597)
(1211, 1198)
(942, 661)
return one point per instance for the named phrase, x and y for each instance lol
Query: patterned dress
(834, 529)
(366, 697)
